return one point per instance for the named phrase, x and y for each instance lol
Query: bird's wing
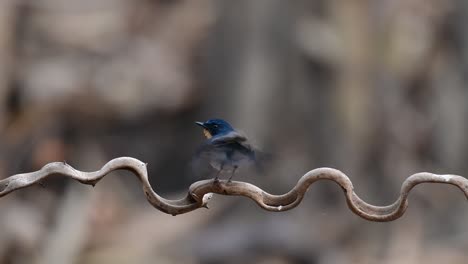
(214, 150)
(216, 147)
(230, 137)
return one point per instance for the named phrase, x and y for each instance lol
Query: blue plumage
(225, 149)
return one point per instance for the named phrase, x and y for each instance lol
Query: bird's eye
(216, 126)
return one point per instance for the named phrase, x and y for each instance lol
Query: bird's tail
(262, 160)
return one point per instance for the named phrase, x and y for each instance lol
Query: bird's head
(214, 127)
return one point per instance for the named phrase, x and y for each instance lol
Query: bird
(225, 149)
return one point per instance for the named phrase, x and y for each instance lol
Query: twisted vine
(200, 192)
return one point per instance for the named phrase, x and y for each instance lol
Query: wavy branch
(200, 192)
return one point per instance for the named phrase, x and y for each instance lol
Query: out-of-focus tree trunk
(255, 41)
(7, 32)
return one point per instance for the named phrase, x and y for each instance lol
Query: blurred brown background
(373, 88)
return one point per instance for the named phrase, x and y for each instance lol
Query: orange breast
(207, 134)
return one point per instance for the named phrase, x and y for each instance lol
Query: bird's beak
(200, 124)
(206, 132)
